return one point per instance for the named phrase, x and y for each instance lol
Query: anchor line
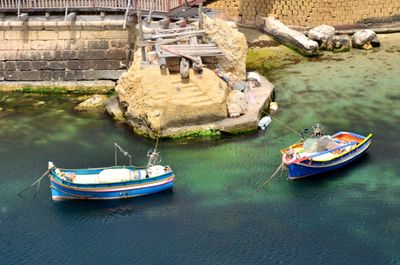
(285, 125)
(268, 181)
(36, 181)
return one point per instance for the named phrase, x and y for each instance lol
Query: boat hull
(64, 190)
(309, 168)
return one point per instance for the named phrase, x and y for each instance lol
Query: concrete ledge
(243, 124)
(65, 25)
(79, 87)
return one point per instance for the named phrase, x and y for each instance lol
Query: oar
(37, 181)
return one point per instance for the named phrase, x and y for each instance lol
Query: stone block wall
(313, 12)
(64, 51)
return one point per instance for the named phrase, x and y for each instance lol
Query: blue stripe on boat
(62, 189)
(308, 168)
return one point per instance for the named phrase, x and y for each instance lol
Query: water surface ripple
(218, 213)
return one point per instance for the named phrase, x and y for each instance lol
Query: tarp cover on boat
(312, 145)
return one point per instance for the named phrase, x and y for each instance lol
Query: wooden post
(200, 16)
(184, 68)
(126, 13)
(66, 12)
(141, 35)
(18, 9)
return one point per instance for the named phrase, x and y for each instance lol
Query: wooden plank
(198, 32)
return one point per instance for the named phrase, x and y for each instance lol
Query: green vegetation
(59, 89)
(207, 133)
(269, 59)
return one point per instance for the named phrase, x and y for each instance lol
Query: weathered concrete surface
(291, 38)
(245, 123)
(249, 121)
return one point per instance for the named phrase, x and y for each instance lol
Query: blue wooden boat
(116, 182)
(320, 154)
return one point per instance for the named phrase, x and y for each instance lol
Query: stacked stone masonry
(63, 51)
(312, 12)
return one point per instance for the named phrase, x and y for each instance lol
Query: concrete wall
(313, 12)
(64, 51)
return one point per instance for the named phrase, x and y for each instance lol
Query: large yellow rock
(156, 101)
(232, 43)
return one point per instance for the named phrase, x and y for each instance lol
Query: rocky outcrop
(93, 102)
(237, 103)
(231, 42)
(158, 102)
(365, 39)
(113, 108)
(342, 43)
(321, 33)
(291, 38)
(324, 36)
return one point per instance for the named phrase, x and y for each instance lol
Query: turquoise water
(219, 211)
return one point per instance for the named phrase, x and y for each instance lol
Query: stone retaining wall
(64, 51)
(313, 12)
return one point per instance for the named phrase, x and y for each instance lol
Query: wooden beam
(199, 32)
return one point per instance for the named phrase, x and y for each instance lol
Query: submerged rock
(114, 109)
(236, 104)
(231, 42)
(365, 39)
(93, 102)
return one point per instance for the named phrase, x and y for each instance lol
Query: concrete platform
(249, 121)
(245, 123)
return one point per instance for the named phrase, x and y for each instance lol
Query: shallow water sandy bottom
(218, 212)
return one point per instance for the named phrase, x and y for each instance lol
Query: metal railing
(48, 5)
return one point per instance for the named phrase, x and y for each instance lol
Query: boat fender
(264, 122)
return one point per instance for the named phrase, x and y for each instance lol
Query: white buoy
(264, 122)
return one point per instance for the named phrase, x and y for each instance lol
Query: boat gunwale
(365, 139)
(131, 183)
(95, 189)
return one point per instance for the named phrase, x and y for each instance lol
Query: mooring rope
(37, 181)
(284, 124)
(272, 176)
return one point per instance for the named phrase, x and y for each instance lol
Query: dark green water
(218, 212)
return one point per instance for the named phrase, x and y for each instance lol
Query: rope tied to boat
(285, 125)
(268, 181)
(36, 181)
(125, 153)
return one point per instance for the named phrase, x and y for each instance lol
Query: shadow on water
(114, 208)
(325, 179)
